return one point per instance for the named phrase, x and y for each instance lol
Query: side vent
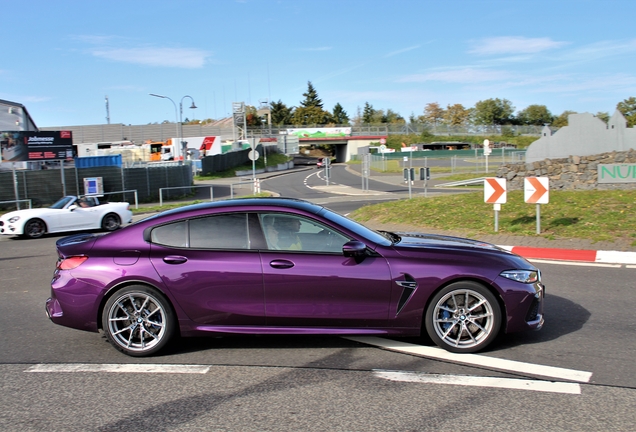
(409, 285)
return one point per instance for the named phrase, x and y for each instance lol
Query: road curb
(575, 255)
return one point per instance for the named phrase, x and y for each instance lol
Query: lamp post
(193, 106)
(178, 120)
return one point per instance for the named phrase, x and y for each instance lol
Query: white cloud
(514, 45)
(466, 75)
(187, 58)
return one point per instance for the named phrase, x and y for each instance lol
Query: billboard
(23, 146)
(335, 132)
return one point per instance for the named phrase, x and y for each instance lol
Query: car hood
(25, 213)
(419, 240)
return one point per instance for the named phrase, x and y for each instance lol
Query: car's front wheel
(34, 228)
(138, 320)
(111, 222)
(464, 317)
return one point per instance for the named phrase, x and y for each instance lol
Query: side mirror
(73, 207)
(354, 248)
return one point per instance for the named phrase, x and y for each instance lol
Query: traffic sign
(487, 149)
(253, 155)
(495, 190)
(536, 190)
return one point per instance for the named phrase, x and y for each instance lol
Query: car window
(296, 233)
(228, 231)
(173, 235)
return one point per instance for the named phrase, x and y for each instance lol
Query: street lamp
(193, 106)
(178, 120)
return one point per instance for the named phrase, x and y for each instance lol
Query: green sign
(616, 173)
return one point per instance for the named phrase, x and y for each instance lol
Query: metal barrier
(17, 203)
(243, 181)
(119, 192)
(183, 187)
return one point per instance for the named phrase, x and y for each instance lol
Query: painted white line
(574, 263)
(476, 360)
(630, 266)
(616, 257)
(120, 368)
(475, 381)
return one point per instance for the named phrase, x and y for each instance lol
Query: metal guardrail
(462, 182)
(183, 187)
(17, 203)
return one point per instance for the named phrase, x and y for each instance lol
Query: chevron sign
(495, 190)
(536, 190)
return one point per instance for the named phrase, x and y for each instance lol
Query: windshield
(356, 227)
(62, 202)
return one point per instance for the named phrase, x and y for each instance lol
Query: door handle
(281, 264)
(174, 259)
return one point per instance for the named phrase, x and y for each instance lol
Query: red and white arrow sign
(495, 190)
(536, 190)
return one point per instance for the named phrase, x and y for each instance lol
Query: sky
(62, 59)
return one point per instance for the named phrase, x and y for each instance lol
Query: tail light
(71, 262)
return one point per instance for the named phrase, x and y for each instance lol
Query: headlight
(523, 276)
(14, 219)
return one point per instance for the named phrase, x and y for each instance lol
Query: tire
(34, 228)
(111, 222)
(464, 317)
(138, 321)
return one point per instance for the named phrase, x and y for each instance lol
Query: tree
(628, 109)
(603, 116)
(537, 115)
(281, 113)
(251, 116)
(368, 113)
(339, 115)
(456, 115)
(311, 97)
(562, 119)
(312, 115)
(493, 112)
(433, 113)
(391, 117)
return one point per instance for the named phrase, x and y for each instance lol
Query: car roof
(283, 203)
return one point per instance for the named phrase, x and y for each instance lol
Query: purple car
(286, 266)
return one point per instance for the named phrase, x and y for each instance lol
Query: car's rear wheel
(34, 228)
(138, 320)
(111, 222)
(464, 317)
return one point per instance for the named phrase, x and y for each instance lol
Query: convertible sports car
(69, 213)
(285, 266)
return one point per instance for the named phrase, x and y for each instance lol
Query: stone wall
(572, 173)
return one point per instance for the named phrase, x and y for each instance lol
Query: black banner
(24, 146)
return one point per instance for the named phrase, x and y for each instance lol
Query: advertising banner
(23, 146)
(320, 132)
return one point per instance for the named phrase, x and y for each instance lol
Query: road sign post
(495, 193)
(487, 151)
(537, 191)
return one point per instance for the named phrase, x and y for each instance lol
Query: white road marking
(476, 360)
(574, 263)
(506, 383)
(120, 368)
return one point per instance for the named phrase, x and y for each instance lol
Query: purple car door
(309, 283)
(208, 266)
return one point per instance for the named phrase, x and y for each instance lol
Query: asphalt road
(53, 378)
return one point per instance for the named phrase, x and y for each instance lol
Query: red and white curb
(576, 255)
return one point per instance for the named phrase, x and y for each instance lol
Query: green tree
(339, 115)
(603, 116)
(368, 113)
(493, 112)
(456, 115)
(281, 113)
(391, 117)
(312, 115)
(433, 113)
(534, 115)
(562, 119)
(628, 108)
(311, 97)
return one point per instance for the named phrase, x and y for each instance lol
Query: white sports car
(70, 213)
